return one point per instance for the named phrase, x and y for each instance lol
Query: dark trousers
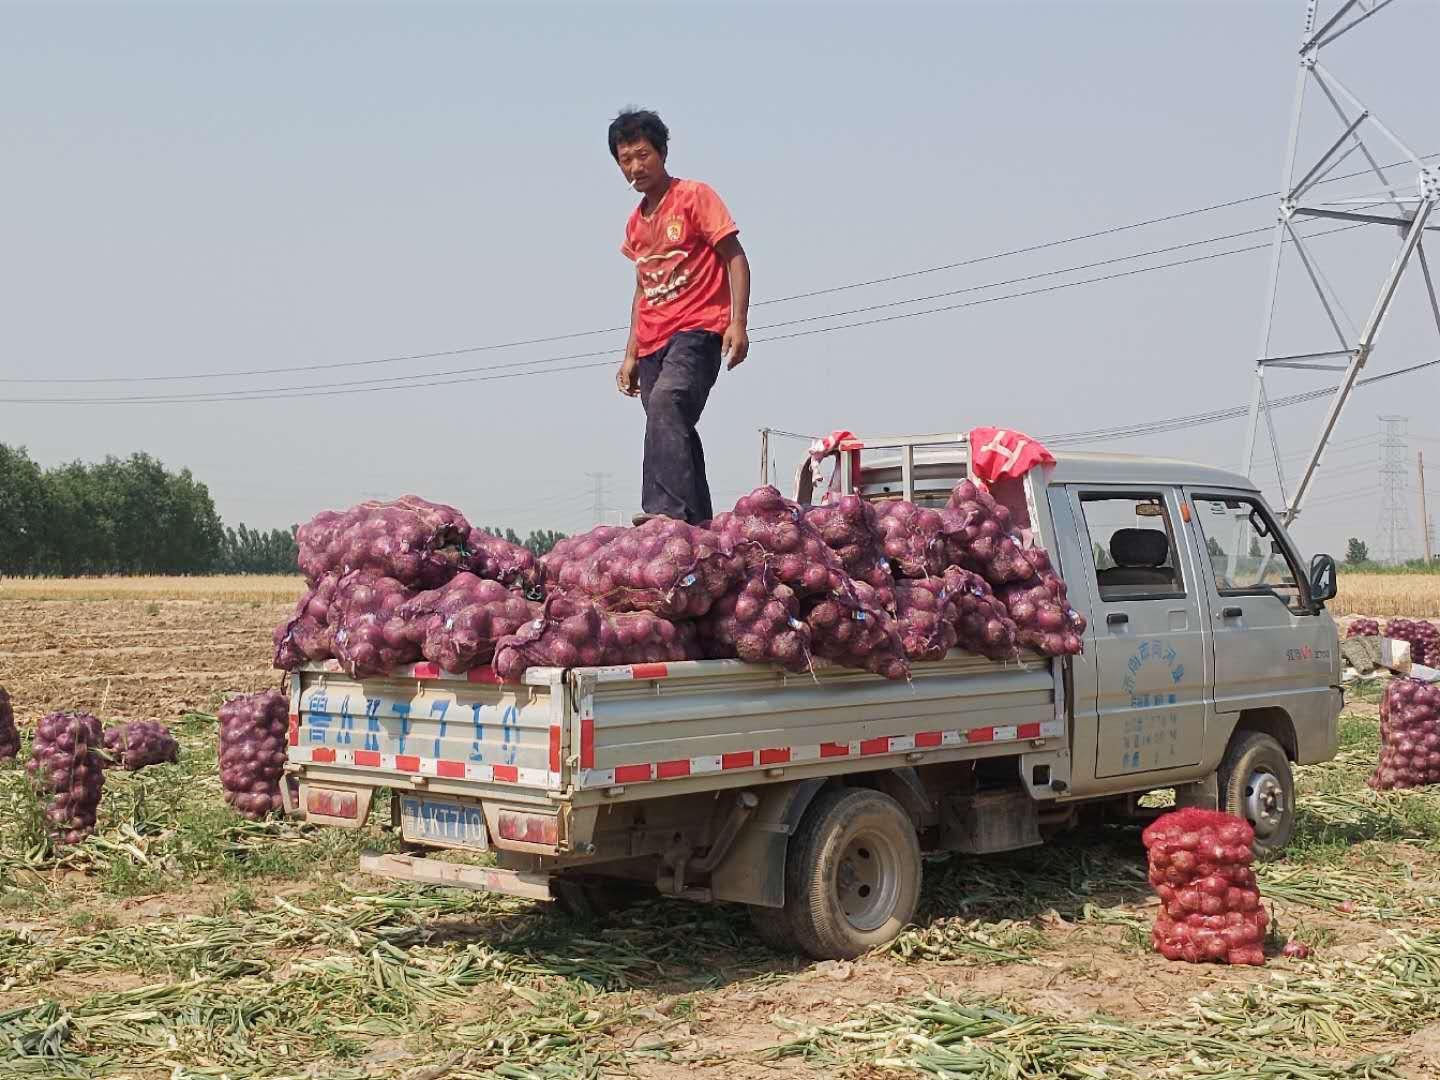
(675, 382)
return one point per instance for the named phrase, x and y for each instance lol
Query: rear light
(328, 802)
(541, 829)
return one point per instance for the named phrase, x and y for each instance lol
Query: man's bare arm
(737, 336)
(628, 377)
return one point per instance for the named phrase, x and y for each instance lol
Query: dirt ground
(183, 942)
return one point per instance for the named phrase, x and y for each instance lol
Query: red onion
(66, 765)
(253, 731)
(140, 743)
(417, 542)
(458, 624)
(9, 733)
(758, 622)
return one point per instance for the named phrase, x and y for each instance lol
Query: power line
(574, 335)
(467, 375)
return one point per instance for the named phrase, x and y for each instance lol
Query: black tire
(852, 875)
(591, 901)
(1256, 784)
(772, 926)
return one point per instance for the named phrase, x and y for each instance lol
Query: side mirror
(1323, 583)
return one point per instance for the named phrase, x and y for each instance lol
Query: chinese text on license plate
(441, 821)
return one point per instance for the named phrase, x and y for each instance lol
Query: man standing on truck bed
(692, 301)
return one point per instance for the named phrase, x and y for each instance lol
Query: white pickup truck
(1210, 665)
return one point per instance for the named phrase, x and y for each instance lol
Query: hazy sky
(201, 188)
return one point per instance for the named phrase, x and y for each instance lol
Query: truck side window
(1245, 550)
(1134, 546)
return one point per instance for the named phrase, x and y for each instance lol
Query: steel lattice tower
(1399, 199)
(1393, 527)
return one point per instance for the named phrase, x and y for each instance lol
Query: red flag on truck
(996, 453)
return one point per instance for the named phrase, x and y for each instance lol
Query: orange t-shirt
(684, 282)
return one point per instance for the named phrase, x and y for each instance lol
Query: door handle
(1116, 618)
(1232, 613)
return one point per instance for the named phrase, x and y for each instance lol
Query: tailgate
(422, 721)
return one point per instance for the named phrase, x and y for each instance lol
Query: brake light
(328, 802)
(542, 829)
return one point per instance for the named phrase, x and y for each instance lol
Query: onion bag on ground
(497, 559)
(862, 636)
(253, 730)
(416, 542)
(1363, 628)
(458, 624)
(370, 637)
(1043, 615)
(982, 623)
(562, 563)
(911, 538)
(66, 765)
(759, 622)
(1210, 901)
(769, 530)
(307, 635)
(1409, 736)
(850, 528)
(1423, 637)
(926, 618)
(140, 743)
(573, 631)
(9, 733)
(978, 536)
(665, 566)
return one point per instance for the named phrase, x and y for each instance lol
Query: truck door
(1147, 632)
(1273, 648)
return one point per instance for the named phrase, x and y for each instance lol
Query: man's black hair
(634, 124)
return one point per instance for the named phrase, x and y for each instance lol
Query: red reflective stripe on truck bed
(744, 759)
(834, 749)
(367, 757)
(426, 671)
(980, 734)
(649, 671)
(407, 763)
(875, 746)
(455, 770)
(554, 747)
(322, 754)
(294, 729)
(669, 770)
(632, 774)
(587, 742)
(507, 773)
(927, 739)
(483, 675)
(1028, 731)
(778, 755)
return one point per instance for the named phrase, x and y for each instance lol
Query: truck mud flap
(457, 876)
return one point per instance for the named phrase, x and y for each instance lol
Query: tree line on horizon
(134, 516)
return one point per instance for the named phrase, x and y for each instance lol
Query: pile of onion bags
(308, 634)
(1041, 608)
(9, 733)
(926, 618)
(412, 540)
(65, 764)
(1210, 903)
(562, 563)
(1363, 628)
(758, 622)
(859, 635)
(978, 536)
(252, 751)
(910, 537)
(499, 560)
(850, 528)
(769, 530)
(667, 567)
(139, 743)
(370, 637)
(573, 631)
(982, 623)
(458, 624)
(1409, 736)
(1423, 637)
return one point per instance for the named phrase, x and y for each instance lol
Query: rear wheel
(591, 900)
(1256, 783)
(772, 926)
(852, 875)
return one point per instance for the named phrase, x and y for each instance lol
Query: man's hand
(628, 377)
(735, 345)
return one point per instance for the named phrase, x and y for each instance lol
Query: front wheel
(1256, 784)
(852, 875)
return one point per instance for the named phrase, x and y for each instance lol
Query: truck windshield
(1245, 549)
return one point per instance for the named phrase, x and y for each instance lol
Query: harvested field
(183, 942)
(1415, 596)
(226, 588)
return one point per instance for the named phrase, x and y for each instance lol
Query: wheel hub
(867, 881)
(1264, 802)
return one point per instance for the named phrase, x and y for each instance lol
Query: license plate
(443, 821)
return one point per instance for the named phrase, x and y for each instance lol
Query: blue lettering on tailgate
(477, 752)
(318, 721)
(402, 710)
(439, 707)
(346, 735)
(372, 723)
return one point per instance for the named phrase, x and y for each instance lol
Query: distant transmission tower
(1393, 528)
(1401, 202)
(599, 506)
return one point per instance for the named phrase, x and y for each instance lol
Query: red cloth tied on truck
(1004, 452)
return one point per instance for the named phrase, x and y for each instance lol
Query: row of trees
(134, 516)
